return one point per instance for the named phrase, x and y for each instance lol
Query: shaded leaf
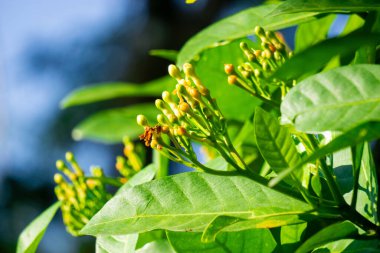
(156, 246)
(275, 142)
(335, 100)
(367, 192)
(316, 57)
(247, 241)
(150, 236)
(312, 32)
(191, 201)
(354, 22)
(110, 126)
(331, 233)
(238, 26)
(291, 236)
(365, 132)
(170, 55)
(217, 163)
(294, 6)
(244, 133)
(116, 243)
(31, 236)
(210, 69)
(215, 226)
(350, 246)
(106, 91)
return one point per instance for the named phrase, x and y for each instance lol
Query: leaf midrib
(317, 107)
(197, 214)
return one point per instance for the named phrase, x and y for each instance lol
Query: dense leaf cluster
(295, 172)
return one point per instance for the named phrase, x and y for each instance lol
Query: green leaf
(238, 26)
(367, 54)
(331, 233)
(354, 22)
(156, 246)
(335, 100)
(143, 176)
(350, 246)
(210, 69)
(217, 163)
(150, 236)
(367, 191)
(365, 132)
(110, 126)
(313, 32)
(247, 241)
(31, 236)
(291, 236)
(316, 57)
(170, 55)
(106, 91)
(125, 243)
(245, 132)
(191, 201)
(275, 142)
(116, 243)
(215, 226)
(294, 6)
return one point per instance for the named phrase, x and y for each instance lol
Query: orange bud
(194, 93)
(180, 131)
(203, 90)
(232, 79)
(184, 107)
(272, 48)
(228, 68)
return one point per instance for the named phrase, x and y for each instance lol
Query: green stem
(355, 217)
(333, 186)
(162, 163)
(235, 155)
(357, 153)
(347, 211)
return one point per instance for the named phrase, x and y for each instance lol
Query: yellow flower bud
(161, 119)
(203, 90)
(180, 131)
(193, 92)
(153, 143)
(60, 165)
(141, 120)
(184, 107)
(188, 69)
(58, 178)
(160, 104)
(174, 71)
(259, 31)
(97, 172)
(69, 156)
(167, 97)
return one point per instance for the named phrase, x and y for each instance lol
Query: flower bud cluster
(188, 114)
(132, 161)
(81, 197)
(253, 74)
